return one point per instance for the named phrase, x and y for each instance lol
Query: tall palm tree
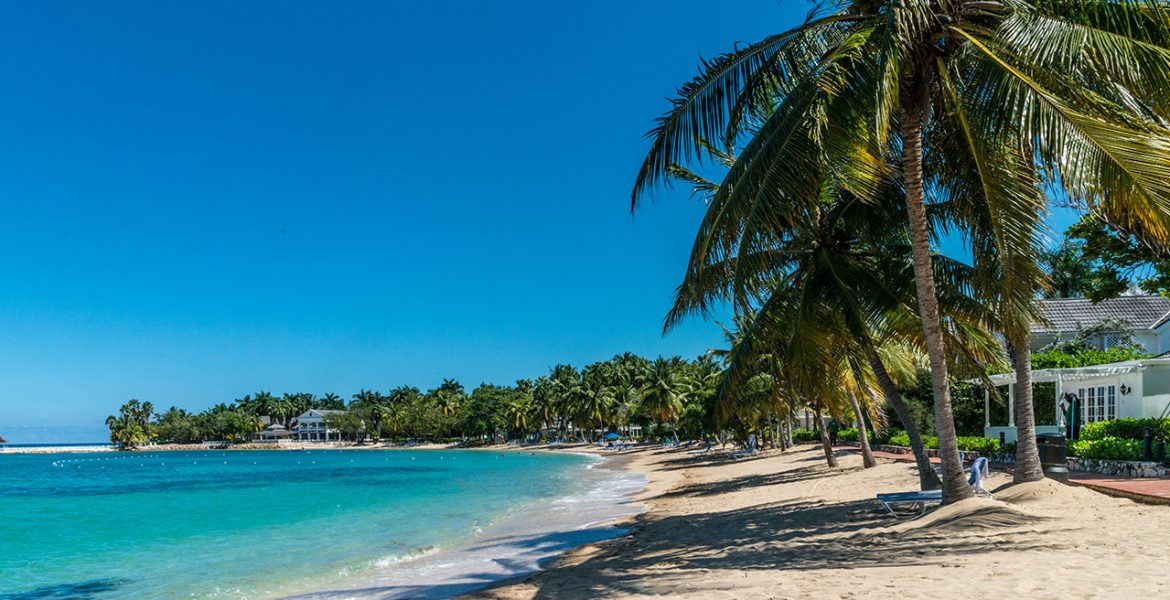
(665, 389)
(981, 103)
(834, 282)
(330, 401)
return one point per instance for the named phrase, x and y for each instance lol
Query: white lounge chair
(920, 501)
(750, 450)
(916, 500)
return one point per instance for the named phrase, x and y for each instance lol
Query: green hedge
(981, 445)
(1126, 429)
(805, 435)
(852, 435)
(1107, 448)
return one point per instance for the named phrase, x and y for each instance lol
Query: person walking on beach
(834, 427)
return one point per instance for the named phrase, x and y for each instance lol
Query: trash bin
(1053, 456)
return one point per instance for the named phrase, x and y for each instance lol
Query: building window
(1098, 403)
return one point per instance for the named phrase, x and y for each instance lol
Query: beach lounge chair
(980, 470)
(917, 501)
(750, 450)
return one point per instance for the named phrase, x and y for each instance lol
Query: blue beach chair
(920, 501)
(750, 450)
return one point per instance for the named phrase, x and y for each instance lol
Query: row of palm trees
(567, 403)
(852, 142)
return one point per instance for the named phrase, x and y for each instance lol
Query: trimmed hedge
(1107, 448)
(805, 435)
(853, 436)
(1126, 429)
(981, 445)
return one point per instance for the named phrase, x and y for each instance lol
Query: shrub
(1128, 429)
(805, 435)
(901, 439)
(1107, 448)
(852, 435)
(981, 445)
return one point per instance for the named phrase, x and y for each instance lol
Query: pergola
(1057, 376)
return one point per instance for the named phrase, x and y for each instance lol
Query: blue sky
(202, 200)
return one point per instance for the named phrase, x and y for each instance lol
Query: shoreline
(285, 447)
(578, 447)
(517, 545)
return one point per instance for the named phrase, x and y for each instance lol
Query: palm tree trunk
(788, 430)
(867, 459)
(927, 478)
(1028, 467)
(828, 448)
(954, 484)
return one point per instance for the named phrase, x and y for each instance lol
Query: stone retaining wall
(1120, 468)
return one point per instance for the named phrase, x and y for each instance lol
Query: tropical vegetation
(973, 116)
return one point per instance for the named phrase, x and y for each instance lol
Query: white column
(1011, 405)
(986, 409)
(1059, 395)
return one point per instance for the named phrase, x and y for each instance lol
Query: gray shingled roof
(1065, 314)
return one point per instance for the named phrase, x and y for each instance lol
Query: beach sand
(783, 525)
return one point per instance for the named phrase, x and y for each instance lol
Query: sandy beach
(783, 525)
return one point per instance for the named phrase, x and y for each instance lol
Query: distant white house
(1146, 318)
(311, 426)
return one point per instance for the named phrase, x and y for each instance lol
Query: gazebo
(274, 432)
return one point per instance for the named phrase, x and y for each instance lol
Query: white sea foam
(511, 546)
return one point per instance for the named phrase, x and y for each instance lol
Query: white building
(1130, 389)
(1147, 319)
(1136, 388)
(311, 426)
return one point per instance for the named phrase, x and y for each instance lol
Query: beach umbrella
(611, 436)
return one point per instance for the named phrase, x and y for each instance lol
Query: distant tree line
(665, 396)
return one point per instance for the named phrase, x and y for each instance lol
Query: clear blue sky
(200, 200)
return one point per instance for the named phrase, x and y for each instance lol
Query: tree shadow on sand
(789, 536)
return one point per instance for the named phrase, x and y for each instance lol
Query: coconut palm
(665, 389)
(131, 426)
(981, 103)
(834, 282)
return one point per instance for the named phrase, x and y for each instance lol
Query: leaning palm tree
(837, 272)
(981, 103)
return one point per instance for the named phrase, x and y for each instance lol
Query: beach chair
(750, 450)
(918, 502)
(980, 470)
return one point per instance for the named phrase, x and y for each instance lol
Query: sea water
(274, 524)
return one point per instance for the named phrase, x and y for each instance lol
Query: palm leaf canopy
(1027, 102)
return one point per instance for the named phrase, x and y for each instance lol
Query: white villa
(311, 427)
(1136, 388)
(1147, 316)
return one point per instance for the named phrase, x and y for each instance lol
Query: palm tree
(131, 426)
(832, 282)
(331, 401)
(665, 389)
(981, 102)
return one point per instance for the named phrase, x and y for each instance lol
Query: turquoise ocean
(321, 524)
